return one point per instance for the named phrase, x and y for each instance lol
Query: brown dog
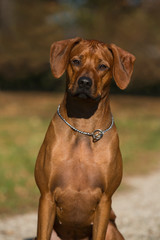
(78, 169)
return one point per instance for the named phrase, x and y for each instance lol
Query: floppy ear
(123, 62)
(59, 55)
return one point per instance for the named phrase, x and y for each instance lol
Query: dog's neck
(86, 114)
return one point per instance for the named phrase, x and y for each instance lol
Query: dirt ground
(138, 210)
(138, 213)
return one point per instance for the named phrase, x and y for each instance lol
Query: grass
(19, 142)
(139, 131)
(24, 121)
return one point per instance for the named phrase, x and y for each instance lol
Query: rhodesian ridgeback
(79, 165)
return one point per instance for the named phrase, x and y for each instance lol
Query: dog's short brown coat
(76, 175)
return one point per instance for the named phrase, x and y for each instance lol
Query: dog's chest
(78, 186)
(78, 176)
(78, 170)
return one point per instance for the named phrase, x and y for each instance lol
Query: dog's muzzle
(84, 87)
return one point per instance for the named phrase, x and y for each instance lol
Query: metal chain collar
(97, 134)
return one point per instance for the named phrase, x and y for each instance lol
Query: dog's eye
(102, 67)
(76, 62)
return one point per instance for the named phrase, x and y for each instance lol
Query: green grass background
(24, 119)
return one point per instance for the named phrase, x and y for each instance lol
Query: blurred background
(28, 28)
(29, 94)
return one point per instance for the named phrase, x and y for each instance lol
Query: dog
(79, 165)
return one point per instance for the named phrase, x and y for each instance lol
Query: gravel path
(138, 212)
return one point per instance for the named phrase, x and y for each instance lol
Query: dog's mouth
(80, 94)
(83, 94)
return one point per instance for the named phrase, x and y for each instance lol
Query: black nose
(85, 82)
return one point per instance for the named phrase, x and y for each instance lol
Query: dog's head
(90, 66)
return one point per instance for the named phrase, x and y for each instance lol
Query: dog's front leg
(46, 216)
(101, 218)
